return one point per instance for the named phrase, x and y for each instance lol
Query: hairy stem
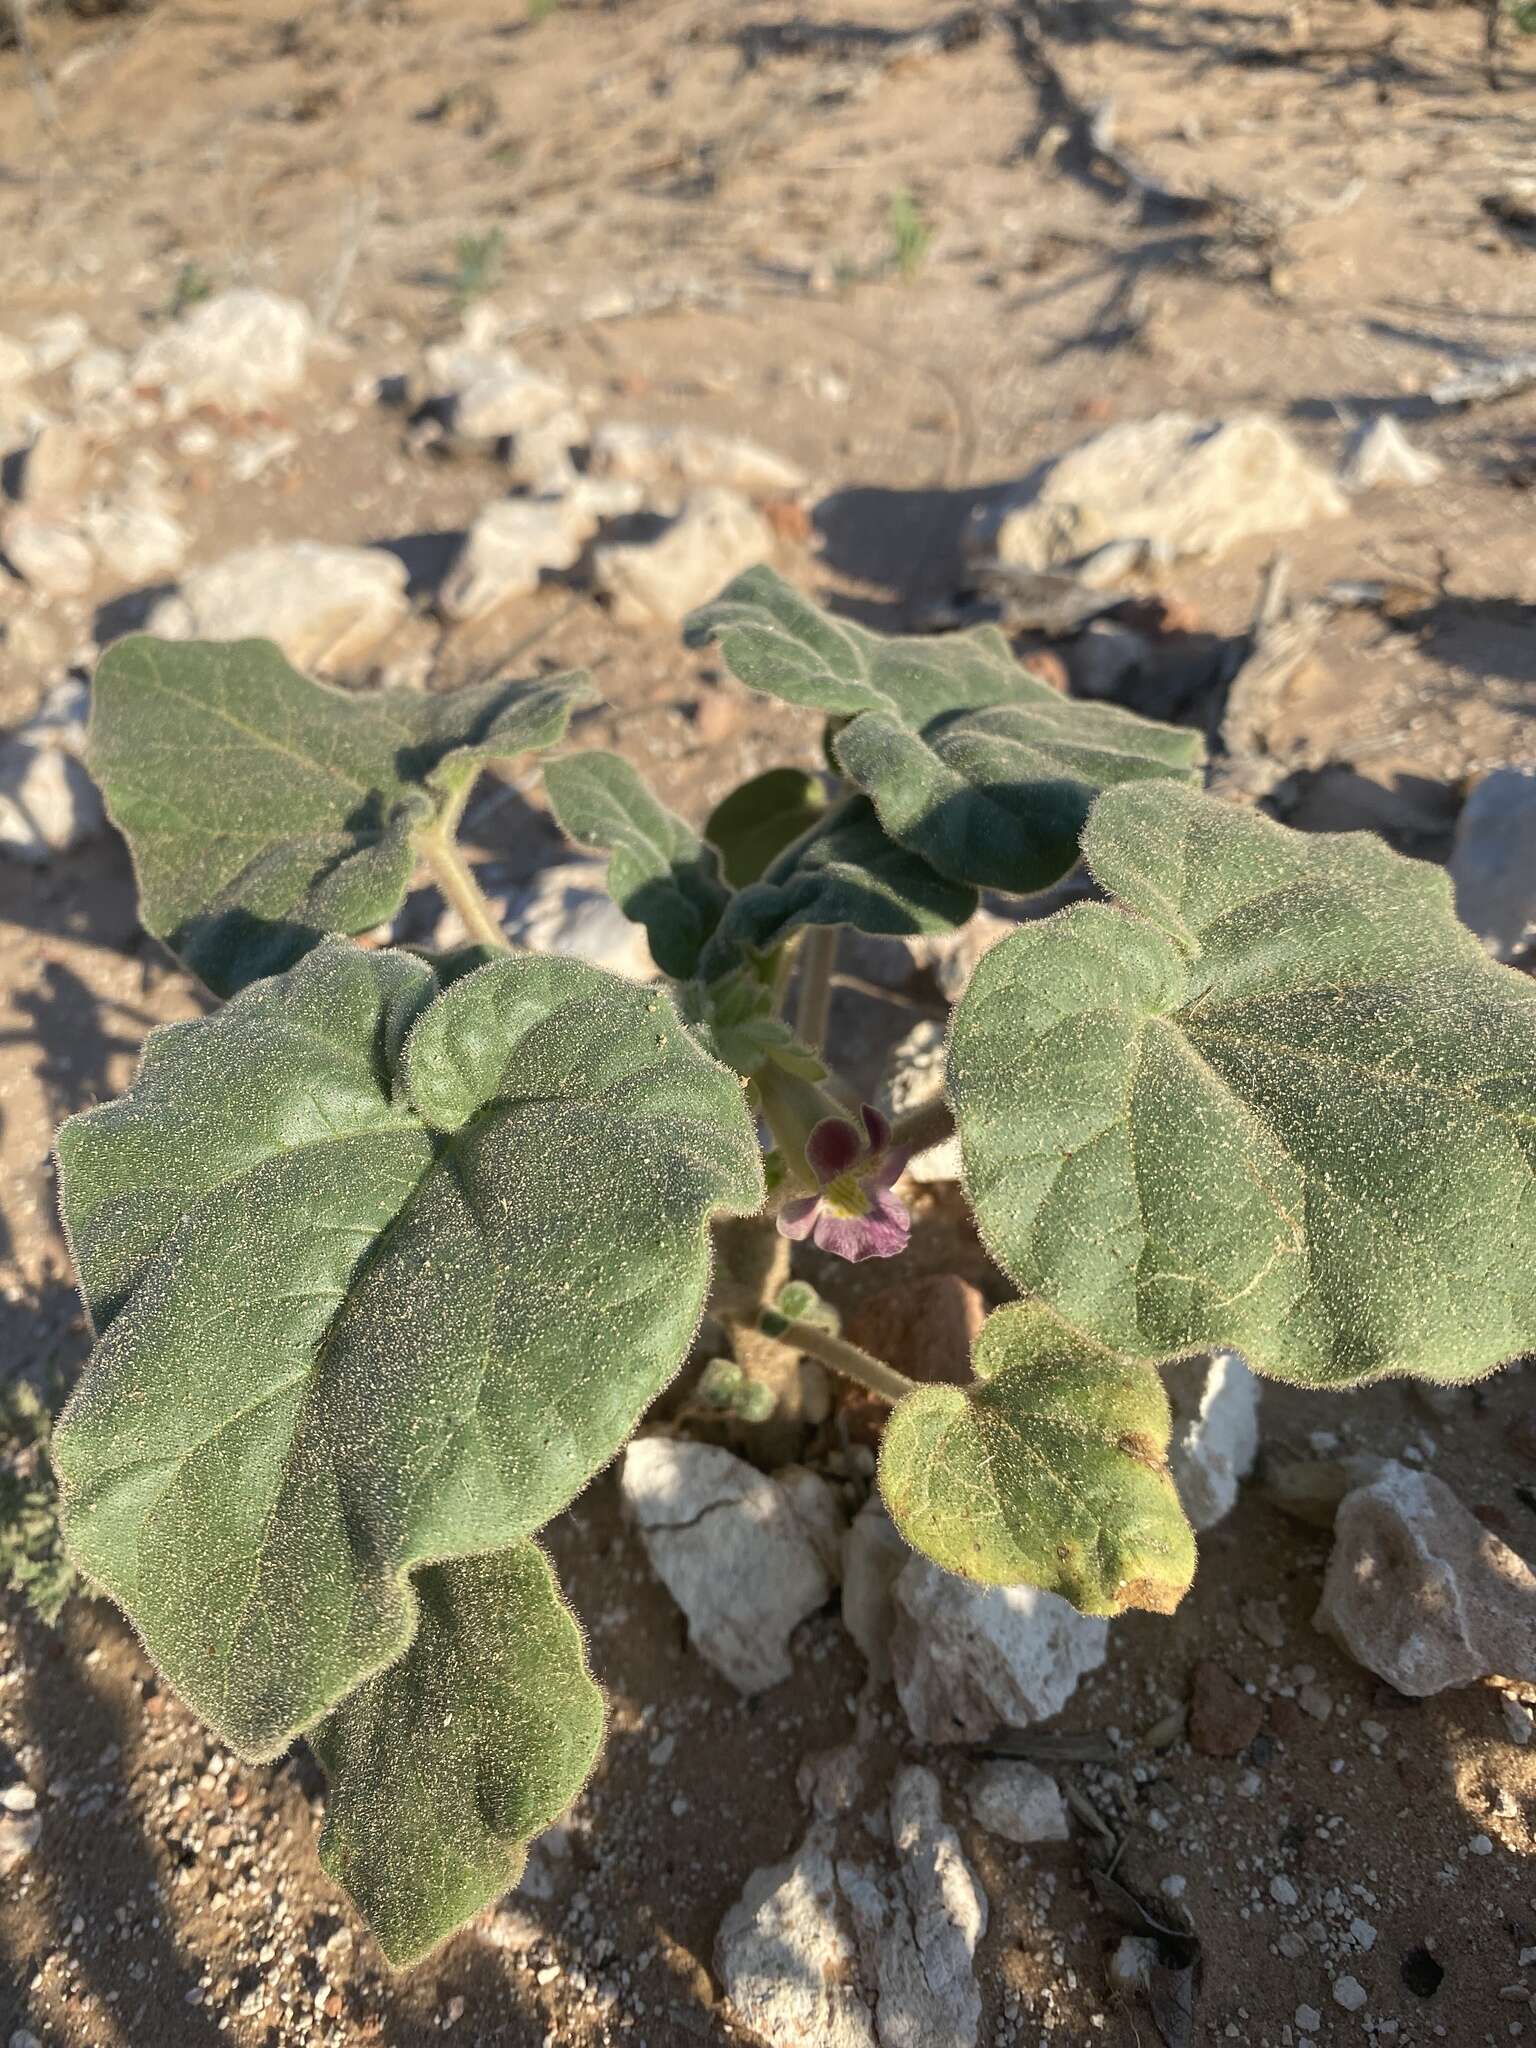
(928, 1125)
(871, 1373)
(817, 957)
(454, 876)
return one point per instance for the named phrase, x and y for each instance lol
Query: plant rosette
(387, 1257)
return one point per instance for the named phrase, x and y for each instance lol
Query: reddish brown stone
(789, 520)
(1287, 1720)
(1223, 1719)
(1047, 666)
(924, 1327)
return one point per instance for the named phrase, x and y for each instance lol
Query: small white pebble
(1308, 2019)
(1349, 1992)
(1480, 1845)
(1363, 1933)
(1174, 1887)
(1374, 1731)
(1283, 1892)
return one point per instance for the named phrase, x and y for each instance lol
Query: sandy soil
(696, 223)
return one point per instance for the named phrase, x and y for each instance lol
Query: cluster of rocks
(748, 1557)
(699, 499)
(79, 513)
(836, 1943)
(872, 1950)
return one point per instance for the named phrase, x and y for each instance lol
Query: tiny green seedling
(193, 285)
(387, 1257)
(910, 235)
(477, 266)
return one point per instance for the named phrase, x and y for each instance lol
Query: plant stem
(927, 1125)
(873, 1374)
(454, 876)
(817, 958)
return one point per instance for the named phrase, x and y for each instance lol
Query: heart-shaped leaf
(381, 1275)
(848, 872)
(264, 810)
(755, 823)
(1279, 1101)
(971, 762)
(1050, 1470)
(444, 1766)
(662, 875)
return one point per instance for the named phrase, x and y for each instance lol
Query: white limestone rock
(874, 1557)
(237, 351)
(916, 1078)
(1493, 861)
(567, 910)
(716, 536)
(732, 1548)
(513, 542)
(1381, 454)
(1181, 485)
(918, 1925)
(48, 804)
(1420, 1592)
(968, 1659)
(1215, 1404)
(328, 608)
(50, 554)
(670, 460)
(786, 1956)
(1018, 1801)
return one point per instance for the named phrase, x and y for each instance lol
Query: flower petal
(882, 1234)
(890, 1168)
(877, 1127)
(888, 1226)
(831, 1148)
(797, 1217)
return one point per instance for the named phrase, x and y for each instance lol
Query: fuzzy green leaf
(264, 810)
(1049, 1470)
(444, 1766)
(661, 875)
(778, 642)
(849, 872)
(971, 762)
(1280, 1100)
(755, 823)
(381, 1275)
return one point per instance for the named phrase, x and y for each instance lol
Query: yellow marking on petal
(846, 1197)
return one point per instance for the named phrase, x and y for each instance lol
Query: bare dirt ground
(696, 213)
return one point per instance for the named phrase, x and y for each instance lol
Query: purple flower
(853, 1213)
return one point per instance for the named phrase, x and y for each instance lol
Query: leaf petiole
(818, 957)
(455, 877)
(924, 1127)
(871, 1373)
